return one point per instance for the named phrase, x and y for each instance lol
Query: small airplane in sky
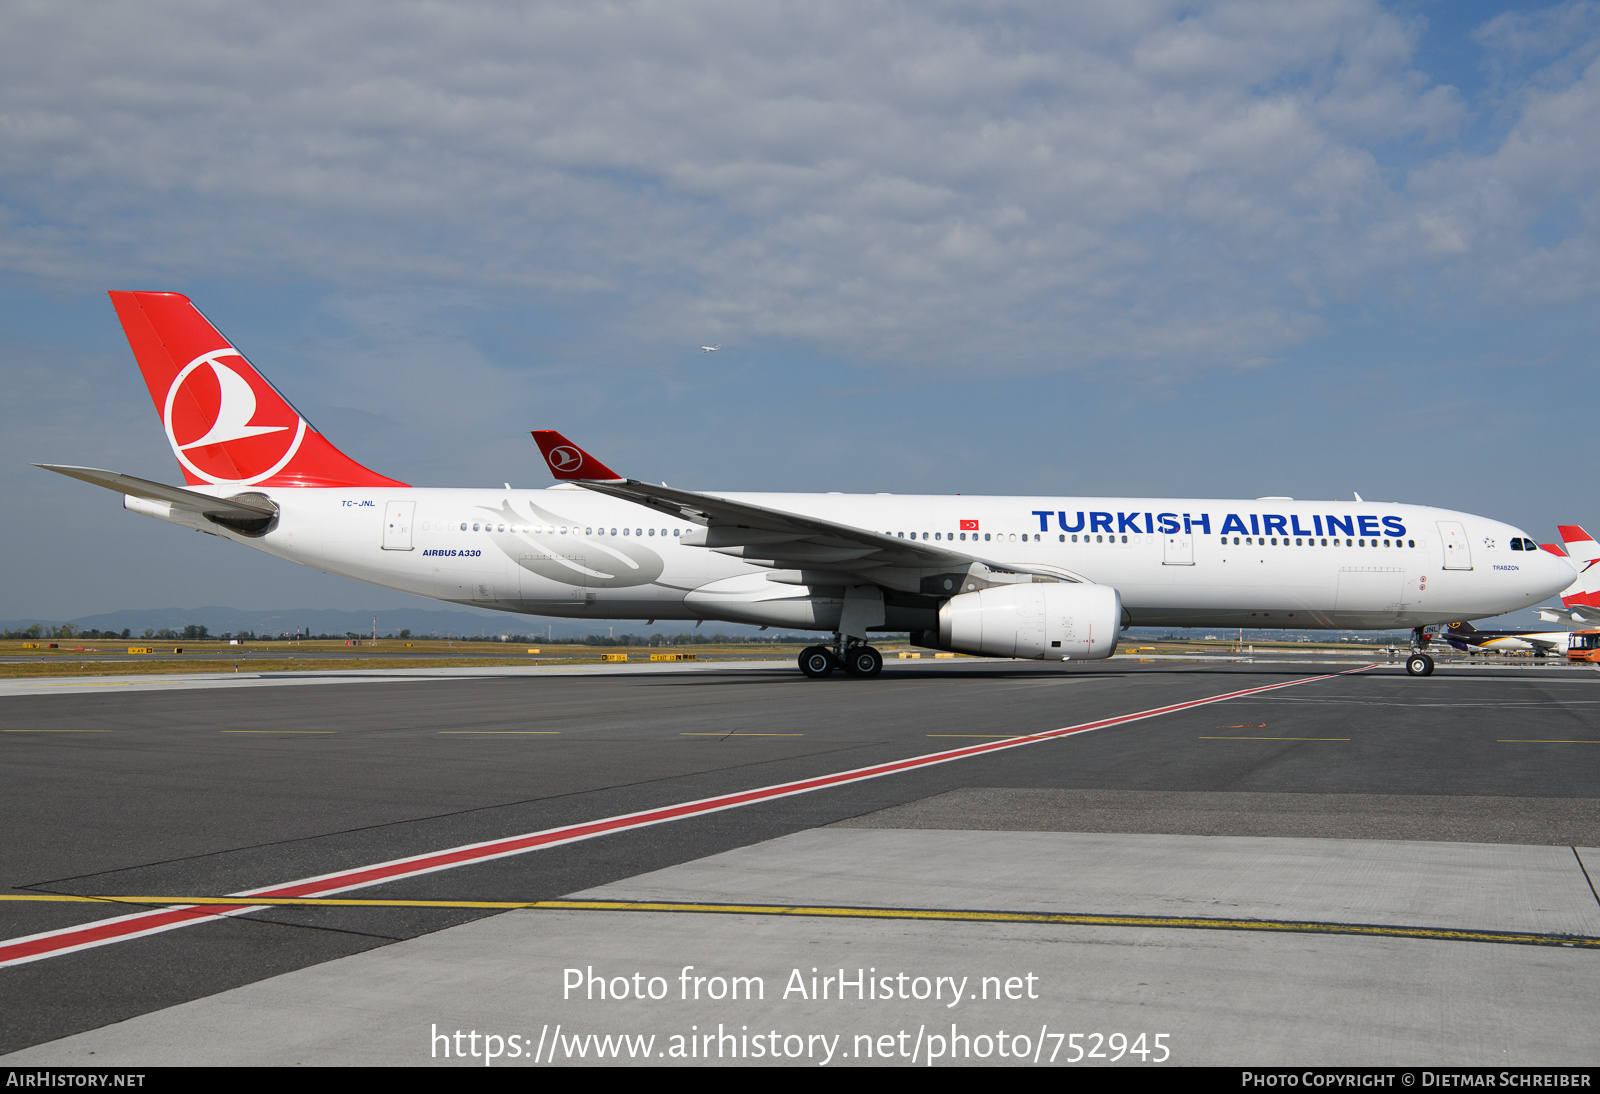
(709, 349)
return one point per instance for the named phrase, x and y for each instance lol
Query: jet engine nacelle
(1045, 621)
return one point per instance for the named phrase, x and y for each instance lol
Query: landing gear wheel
(817, 662)
(1419, 664)
(863, 661)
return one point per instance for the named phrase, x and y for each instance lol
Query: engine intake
(1042, 622)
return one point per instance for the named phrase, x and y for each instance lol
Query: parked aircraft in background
(1467, 638)
(1581, 600)
(1033, 577)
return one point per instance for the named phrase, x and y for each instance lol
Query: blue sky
(1186, 249)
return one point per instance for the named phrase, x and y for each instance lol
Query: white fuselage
(567, 551)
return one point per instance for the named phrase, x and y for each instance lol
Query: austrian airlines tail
(1585, 555)
(227, 425)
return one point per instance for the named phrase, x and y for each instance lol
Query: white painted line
(72, 685)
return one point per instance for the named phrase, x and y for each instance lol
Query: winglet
(567, 461)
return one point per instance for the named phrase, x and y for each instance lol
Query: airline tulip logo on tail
(566, 459)
(228, 426)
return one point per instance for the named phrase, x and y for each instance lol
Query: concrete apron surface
(536, 987)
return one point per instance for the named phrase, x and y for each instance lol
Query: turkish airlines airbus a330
(1031, 577)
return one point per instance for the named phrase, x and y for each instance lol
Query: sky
(1223, 250)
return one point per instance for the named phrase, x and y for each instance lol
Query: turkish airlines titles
(1260, 524)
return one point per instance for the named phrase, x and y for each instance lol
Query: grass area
(79, 658)
(109, 657)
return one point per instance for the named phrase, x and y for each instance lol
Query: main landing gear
(863, 661)
(1417, 662)
(817, 662)
(859, 660)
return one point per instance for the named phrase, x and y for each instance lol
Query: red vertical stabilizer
(227, 425)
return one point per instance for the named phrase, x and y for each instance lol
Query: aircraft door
(1457, 551)
(397, 525)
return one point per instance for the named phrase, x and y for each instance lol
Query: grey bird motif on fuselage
(596, 564)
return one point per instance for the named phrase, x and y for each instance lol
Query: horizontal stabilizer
(1573, 613)
(191, 500)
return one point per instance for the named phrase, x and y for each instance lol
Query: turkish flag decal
(969, 526)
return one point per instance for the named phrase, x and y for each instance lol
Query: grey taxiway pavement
(1361, 868)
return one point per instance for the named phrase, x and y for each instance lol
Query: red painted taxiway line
(36, 947)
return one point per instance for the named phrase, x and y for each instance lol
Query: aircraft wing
(821, 551)
(204, 504)
(1571, 613)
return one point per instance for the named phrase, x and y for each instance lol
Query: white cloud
(1032, 186)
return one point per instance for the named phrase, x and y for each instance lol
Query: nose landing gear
(1417, 662)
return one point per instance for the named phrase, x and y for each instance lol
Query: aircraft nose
(1558, 573)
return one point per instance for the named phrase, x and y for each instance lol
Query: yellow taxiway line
(1449, 934)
